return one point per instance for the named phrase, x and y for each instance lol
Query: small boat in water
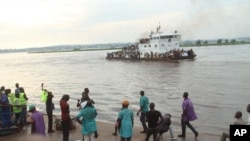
(159, 46)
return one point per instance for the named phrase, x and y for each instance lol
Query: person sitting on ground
(239, 121)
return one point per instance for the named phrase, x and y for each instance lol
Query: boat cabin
(159, 43)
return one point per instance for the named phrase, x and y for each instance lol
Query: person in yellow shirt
(17, 110)
(23, 101)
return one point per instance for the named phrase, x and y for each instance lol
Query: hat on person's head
(125, 102)
(31, 107)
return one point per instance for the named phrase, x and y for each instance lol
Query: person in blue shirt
(88, 115)
(125, 122)
(17, 90)
(6, 110)
(143, 109)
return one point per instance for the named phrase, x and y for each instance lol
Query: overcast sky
(39, 23)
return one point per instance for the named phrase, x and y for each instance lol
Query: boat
(159, 46)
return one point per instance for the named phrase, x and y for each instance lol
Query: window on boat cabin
(149, 45)
(158, 37)
(162, 44)
(155, 46)
(163, 37)
(145, 46)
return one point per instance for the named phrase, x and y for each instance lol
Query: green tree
(226, 41)
(205, 42)
(233, 41)
(219, 41)
(198, 42)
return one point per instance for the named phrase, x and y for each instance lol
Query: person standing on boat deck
(65, 117)
(37, 121)
(125, 122)
(49, 109)
(143, 109)
(152, 117)
(188, 114)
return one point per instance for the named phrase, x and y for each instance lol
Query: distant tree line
(215, 42)
(219, 42)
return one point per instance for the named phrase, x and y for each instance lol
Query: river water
(217, 81)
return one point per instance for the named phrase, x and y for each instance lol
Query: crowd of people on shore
(14, 106)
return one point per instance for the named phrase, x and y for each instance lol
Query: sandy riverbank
(105, 131)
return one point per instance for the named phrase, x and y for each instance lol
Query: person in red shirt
(65, 117)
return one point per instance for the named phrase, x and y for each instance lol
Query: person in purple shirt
(188, 114)
(37, 121)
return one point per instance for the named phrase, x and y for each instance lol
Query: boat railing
(8, 122)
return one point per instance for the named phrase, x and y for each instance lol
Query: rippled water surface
(217, 81)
